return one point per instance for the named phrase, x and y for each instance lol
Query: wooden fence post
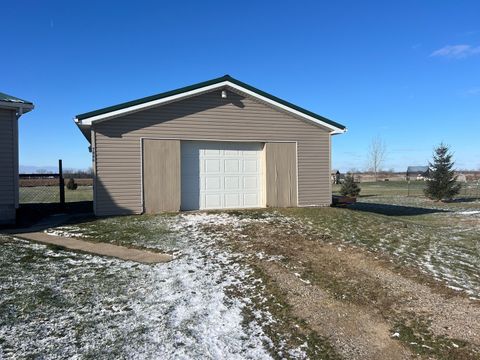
(61, 183)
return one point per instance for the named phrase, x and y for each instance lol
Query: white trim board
(177, 97)
(22, 108)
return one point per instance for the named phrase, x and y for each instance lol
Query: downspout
(16, 166)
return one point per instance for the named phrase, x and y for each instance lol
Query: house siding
(9, 172)
(118, 144)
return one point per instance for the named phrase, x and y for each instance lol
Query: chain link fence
(469, 189)
(50, 188)
(39, 188)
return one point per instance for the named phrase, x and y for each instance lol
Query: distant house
(417, 172)
(11, 108)
(461, 177)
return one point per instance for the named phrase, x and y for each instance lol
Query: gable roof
(12, 102)
(86, 119)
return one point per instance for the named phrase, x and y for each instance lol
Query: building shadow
(393, 210)
(464, 200)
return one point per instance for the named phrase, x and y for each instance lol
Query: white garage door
(221, 175)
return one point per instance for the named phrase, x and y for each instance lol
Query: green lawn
(51, 194)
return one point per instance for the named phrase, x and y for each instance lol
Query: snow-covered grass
(145, 231)
(441, 239)
(207, 303)
(61, 304)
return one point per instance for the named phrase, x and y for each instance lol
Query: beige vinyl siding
(161, 175)
(281, 174)
(205, 117)
(8, 173)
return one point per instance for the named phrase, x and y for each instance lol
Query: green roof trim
(204, 84)
(9, 98)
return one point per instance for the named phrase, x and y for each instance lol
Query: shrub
(350, 187)
(442, 181)
(71, 185)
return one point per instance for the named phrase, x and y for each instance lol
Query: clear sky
(408, 71)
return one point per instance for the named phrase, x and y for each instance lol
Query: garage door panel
(250, 154)
(232, 200)
(211, 166)
(212, 201)
(211, 152)
(228, 175)
(251, 183)
(232, 166)
(251, 166)
(212, 183)
(251, 200)
(232, 183)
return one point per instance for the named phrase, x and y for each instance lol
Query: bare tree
(376, 155)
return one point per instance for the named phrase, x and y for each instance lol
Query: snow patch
(470, 212)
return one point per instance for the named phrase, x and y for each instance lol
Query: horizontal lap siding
(7, 165)
(205, 117)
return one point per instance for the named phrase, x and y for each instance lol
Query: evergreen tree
(350, 187)
(442, 181)
(71, 184)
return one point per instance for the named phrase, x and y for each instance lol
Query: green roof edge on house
(9, 98)
(200, 85)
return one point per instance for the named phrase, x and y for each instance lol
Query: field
(393, 276)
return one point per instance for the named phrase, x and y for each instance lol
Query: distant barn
(417, 172)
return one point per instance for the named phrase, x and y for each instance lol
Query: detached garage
(220, 144)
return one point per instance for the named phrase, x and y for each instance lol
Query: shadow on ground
(464, 200)
(394, 210)
(28, 214)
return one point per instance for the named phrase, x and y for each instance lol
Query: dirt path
(104, 249)
(367, 307)
(354, 332)
(449, 314)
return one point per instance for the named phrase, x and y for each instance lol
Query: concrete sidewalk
(104, 249)
(36, 233)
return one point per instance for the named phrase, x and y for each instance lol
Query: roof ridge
(200, 85)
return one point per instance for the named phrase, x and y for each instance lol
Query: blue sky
(407, 71)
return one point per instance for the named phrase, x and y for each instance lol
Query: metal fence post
(61, 183)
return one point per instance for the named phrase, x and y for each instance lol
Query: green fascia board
(9, 98)
(148, 98)
(204, 84)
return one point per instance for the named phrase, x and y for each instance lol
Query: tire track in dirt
(355, 333)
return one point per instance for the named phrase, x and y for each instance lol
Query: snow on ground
(66, 231)
(60, 304)
(469, 212)
(448, 248)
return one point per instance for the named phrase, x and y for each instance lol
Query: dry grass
(371, 293)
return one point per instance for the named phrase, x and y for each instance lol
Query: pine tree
(442, 181)
(350, 187)
(71, 184)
